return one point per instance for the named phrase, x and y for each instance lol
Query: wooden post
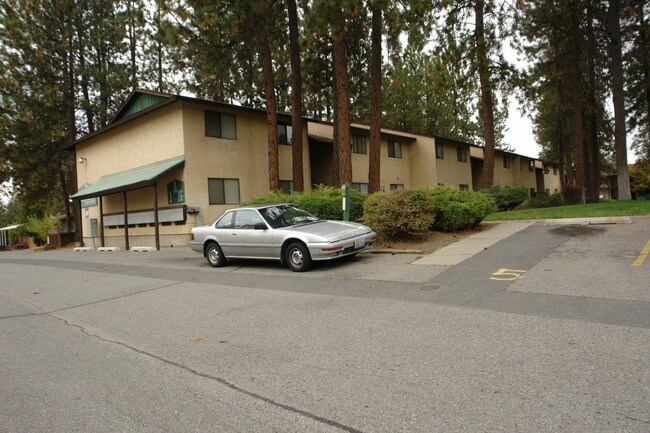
(126, 223)
(155, 215)
(101, 220)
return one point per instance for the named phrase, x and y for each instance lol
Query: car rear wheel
(214, 255)
(297, 257)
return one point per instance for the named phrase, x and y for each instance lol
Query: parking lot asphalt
(546, 330)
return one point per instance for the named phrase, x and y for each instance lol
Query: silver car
(281, 232)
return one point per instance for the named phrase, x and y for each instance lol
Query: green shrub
(507, 198)
(459, 210)
(399, 214)
(37, 228)
(544, 200)
(323, 201)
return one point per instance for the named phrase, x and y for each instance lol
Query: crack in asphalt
(41, 313)
(222, 381)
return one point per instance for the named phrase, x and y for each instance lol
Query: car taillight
(192, 237)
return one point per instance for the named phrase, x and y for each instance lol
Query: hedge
(323, 201)
(399, 214)
(507, 198)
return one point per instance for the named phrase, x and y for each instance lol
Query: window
(225, 222)
(394, 149)
(286, 186)
(506, 161)
(175, 192)
(220, 125)
(361, 187)
(462, 153)
(531, 165)
(396, 186)
(359, 144)
(285, 134)
(547, 191)
(463, 187)
(247, 218)
(440, 151)
(223, 191)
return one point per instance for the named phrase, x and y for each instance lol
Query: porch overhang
(135, 178)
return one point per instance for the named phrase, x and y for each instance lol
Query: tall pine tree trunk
(271, 108)
(592, 146)
(296, 98)
(342, 96)
(616, 71)
(374, 157)
(487, 103)
(577, 139)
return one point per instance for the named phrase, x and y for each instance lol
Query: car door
(247, 241)
(223, 232)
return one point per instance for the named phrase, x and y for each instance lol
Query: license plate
(359, 243)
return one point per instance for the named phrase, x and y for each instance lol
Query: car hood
(334, 230)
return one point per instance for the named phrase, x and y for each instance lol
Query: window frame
(392, 144)
(220, 115)
(440, 151)
(396, 186)
(463, 187)
(180, 192)
(506, 161)
(225, 200)
(287, 141)
(358, 148)
(461, 154)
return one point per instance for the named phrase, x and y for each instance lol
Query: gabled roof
(138, 100)
(142, 102)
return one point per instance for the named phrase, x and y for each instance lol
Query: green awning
(134, 178)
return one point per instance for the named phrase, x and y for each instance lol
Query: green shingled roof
(134, 178)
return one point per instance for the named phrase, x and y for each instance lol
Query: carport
(145, 176)
(4, 235)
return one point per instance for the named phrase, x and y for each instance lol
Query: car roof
(263, 206)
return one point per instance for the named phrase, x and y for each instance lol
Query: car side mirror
(260, 226)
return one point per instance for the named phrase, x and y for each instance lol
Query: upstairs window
(394, 149)
(285, 134)
(440, 151)
(220, 125)
(531, 165)
(359, 144)
(175, 192)
(506, 161)
(462, 153)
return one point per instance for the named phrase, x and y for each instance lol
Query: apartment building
(166, 163)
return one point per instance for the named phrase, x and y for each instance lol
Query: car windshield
(286, 216)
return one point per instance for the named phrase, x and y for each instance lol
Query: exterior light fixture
(82, 160)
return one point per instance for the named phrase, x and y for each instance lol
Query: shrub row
(508, 198)
(322, 201)
(399, 214)
(395, 214)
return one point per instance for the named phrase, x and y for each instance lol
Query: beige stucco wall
(449, 170)
(145, 140)
(551, 180)
(522, 176)
(245, 158)
(505, 176)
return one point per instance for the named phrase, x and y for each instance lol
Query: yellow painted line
(504, 274)
(644, 253)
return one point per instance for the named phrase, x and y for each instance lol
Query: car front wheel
(214, 255)
(297, 257)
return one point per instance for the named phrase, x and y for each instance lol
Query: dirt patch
(431, 241)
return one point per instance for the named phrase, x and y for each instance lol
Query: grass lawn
(605, 209)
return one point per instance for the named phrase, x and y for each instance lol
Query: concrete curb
(587, 221)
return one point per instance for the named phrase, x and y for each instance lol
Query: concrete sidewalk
(464, 249)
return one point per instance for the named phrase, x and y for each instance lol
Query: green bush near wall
(323, 201)
(400, 214)
(460, 210)
(507, 198)
(544, 200)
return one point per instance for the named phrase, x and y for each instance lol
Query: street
(546, 330)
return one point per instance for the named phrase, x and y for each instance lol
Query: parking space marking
(504, 274)
(642, 256)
